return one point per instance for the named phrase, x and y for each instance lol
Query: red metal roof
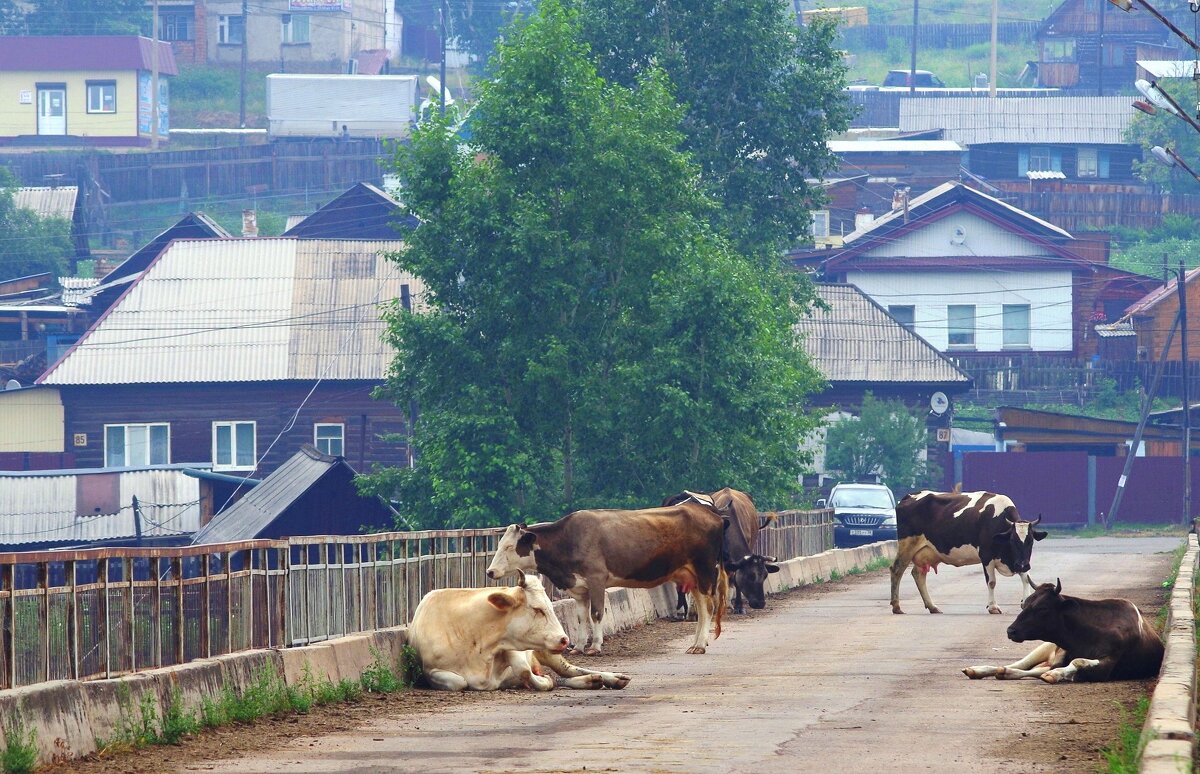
(84, 52)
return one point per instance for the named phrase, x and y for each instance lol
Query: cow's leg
(738, 605)
(904, 553)
(705, 605)
(445, 680)
(1026, 587)
(1043, 657)
(1087, 668)
(681, 604)
(578, 677)
(920, 574)
(596, 596)
(989, 577)
(520, 669)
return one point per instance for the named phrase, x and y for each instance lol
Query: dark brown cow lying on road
(958, 529)
(747, 570)
(1089, 640)
(586, 552)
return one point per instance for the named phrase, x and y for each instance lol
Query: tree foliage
(475, 26)
(1172, 132)
(585, 339)
(762, 94)
(885, 439)
(31, 244)
(1157, 252)
(76, 17)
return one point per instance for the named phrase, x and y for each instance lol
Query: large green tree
(31, 244)
(885, 439)
(86, 17)
(1172, 132)
(762, 96)
(585, 337)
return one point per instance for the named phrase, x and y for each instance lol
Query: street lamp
(1168, 157)
(1158, 97)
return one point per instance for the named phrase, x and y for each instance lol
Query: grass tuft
(1121, 757)
(20, 747)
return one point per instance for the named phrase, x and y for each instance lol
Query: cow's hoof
(995, 610)
(617, 681)
(591, 652)
(595, 682)
(971, 673)
(935, 611)
(1051, 677)
(896, 610)
(695, 650)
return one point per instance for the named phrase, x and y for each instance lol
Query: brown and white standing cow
(959, 529)
(586, 552)
(747, 569)
(1090, 640)
(485, 639)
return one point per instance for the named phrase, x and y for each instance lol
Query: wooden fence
(317, 166)
(101, 613)
(1019, 380)
(877, 36)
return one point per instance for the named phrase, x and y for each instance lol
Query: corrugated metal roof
(1045, 174)
(47, 202)
(246, 310)
(895, 146)
(84, 52)
(1168, 290)
(857, 341)
(41, 506)
(1115, 330)
(1168, 68)
(249, 516)
(1027, 121)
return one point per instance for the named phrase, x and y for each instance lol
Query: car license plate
(866, 532)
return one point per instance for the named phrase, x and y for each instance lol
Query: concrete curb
(70, 717)
(1169, 733)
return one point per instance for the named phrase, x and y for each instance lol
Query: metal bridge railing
(99, 613)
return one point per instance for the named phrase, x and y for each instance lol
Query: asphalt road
(834, 683)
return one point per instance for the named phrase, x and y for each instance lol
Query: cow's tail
(722, 597)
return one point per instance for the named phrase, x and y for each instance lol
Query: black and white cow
(959, 529)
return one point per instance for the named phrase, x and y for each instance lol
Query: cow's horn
(521, 579)
(770, 559)
(746, 558)
(1058, 586)
(1036, 521)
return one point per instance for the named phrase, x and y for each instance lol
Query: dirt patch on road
(1081, 719)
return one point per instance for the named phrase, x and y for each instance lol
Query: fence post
(102, 566)
(73, 620)
(156, 611)
(180, 618)
(206, 610)
(10, 623)
(127, 563)
(44, 585)
(228, 557)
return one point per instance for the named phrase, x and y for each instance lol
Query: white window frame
(318, 440)
(964, 331)
(820, 224)
(96, 92)
(295, 28)
(1041, 159)
(234, 462)
(226, 27)
(147, 445)
(179, 25)
(1087, 162)
(911, 310)
(1017, 321)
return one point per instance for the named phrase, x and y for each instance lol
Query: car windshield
(861, 498)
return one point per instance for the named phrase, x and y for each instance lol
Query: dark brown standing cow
(1090, 640)
(747, 570)
(586, 552)
(958, 529)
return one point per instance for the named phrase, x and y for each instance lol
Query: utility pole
(245, 56)
(154, 78)
(1187, 400)
(995, 38)
(912, 69)
(442, 14)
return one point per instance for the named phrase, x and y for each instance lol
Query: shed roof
(47, 201)
(362, 212)
(1156, 296)
(895, 146)
(237, 310)
(1025, 120)
(84, 52)
(858, 341)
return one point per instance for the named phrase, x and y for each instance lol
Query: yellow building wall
(21, 119)
(31, 420)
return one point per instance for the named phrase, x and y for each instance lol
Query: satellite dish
(939, 403)
(12, 384)
(960, 236)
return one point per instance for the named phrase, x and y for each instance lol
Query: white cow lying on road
(485, 639)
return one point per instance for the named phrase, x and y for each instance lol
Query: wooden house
(234, 353)
(1153, 317)
(973, 276)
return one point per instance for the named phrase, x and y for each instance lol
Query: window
(820, 224)
(1114, 55)
(330, 439)
(101, 96)
(233, 445)
(177, 26)
(960, 324)
(1040, 160)
(1061, 50)
(1087, 163)
(231, 29)
(128, 446)
(295, 28)
(1016, 326)
(905, 314)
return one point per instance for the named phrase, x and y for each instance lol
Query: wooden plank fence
(1024, 379)
(877, 36)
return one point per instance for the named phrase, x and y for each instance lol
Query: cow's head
(530, 622)
(1041, 615)
(1012, 541)
(750, 573)
(514, 552)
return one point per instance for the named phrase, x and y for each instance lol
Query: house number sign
(81, 439)
(25, 97)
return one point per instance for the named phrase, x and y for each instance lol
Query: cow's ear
(1038, 534)
(772, 568)
(732, 566)
(501, 601)
(527, 540)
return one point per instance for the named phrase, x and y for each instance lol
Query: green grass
(20, 747)
(956, 67)
(1121, 757)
